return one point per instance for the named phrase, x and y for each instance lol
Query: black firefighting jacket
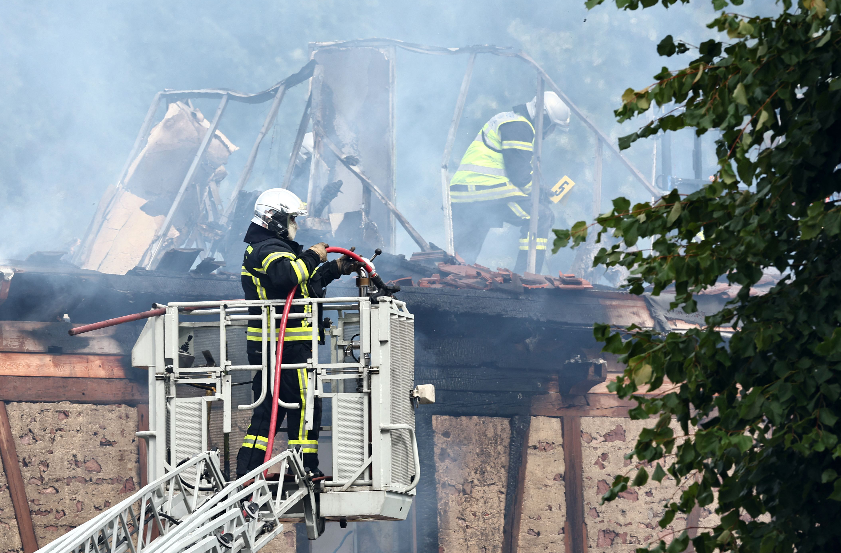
(270, 268)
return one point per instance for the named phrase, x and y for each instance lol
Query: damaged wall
(631, 520)
(9, 536)
(543, 511)
(471, 458)
(76, 461)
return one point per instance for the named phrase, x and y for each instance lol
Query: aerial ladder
(368, 383)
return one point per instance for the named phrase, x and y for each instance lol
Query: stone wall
(76, 460)
(471, 462)
(9, 537)
(544, 500)
(631, 520)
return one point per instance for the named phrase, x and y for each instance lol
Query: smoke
(78, 77)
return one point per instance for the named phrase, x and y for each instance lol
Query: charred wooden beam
(515, 490)
(426, 501)
(102, 391)
(469, 404)
(43, 337)
(588, 405)
(575, 534)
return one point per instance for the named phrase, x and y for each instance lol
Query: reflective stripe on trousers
(541, 243)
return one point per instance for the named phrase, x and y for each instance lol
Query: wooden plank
(40, 337)
(483, 379)
(65, 366)
(511, 531)
(468, 404)
(692, 526)
(11, 465)
(102, 391)
(576, 529)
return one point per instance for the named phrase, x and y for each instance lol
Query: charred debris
(163, 231)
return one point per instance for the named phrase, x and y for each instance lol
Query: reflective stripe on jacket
(270, 269)
(481, 176)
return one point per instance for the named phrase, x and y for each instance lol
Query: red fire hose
(279, 357)
(124, 319)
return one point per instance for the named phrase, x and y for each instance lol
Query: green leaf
(579, 232)
(827, 35)
(835, 84)
(828, 475)
(561, 239)
(836, 491)
(677, 209)
(739, 95)
(768, 543)
(667, 519)
(679, 543)
(667, 46)
(764, 117)
(642, 375)
(742, 441)
(621, 205)
(827, 417)
(641, 478)
(724, 537)
(659, 473)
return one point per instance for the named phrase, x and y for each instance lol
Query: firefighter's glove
(321, 250)
(348, 265)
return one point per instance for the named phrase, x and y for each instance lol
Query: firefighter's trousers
(473, 220)
(292, 390)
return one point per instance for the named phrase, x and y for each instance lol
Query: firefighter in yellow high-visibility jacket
(493, 182)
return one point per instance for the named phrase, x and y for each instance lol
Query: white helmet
(276, 209)
(555, 108)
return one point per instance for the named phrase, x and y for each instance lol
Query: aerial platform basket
(367, 382)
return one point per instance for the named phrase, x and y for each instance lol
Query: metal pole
(697, 161)
(552, 86)
(666, 159)
(597, 180)
(535, 179)
(161, 234)
(99, 216)
(299, 139)
(357, 172)
(448, 150)
(252, 157)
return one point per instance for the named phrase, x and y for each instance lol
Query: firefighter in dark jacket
(493, 182)
(272, 265)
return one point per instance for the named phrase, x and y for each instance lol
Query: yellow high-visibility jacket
(482, 174)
